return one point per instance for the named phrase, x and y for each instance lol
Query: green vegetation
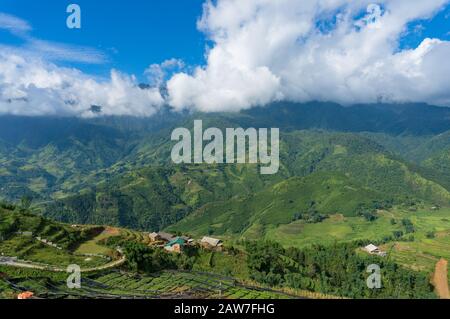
(335, 269)
(348, 177)
(23, 235)
(251, 269)
(119, 285)
(117, 171)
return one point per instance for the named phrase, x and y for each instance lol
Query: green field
(94, 246)
(167, 284)
(19, 231)
(36, 252)
(421, 253)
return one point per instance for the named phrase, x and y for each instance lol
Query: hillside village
(173, 243)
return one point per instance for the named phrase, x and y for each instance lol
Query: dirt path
(12, 263)
(440, 279)
(110, 265)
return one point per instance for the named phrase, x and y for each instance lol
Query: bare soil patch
(440, 279)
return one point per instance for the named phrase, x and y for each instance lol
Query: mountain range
(333, 160)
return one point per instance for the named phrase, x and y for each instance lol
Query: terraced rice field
(167, 284)
(182, 283)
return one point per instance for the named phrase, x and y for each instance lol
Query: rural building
(166, 236)
(154, 236)
(175, 245)
(25, 295)
(374, 250)
(161, 236)
(212, 242)
(187, 239)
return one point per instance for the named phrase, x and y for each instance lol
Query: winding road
(440, 279)
(12, 262)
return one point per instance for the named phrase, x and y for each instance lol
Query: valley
(348, 177)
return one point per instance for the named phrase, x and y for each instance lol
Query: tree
(25, 202)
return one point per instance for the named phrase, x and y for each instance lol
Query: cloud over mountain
(346, 51)
(31, 86)
(327, 50)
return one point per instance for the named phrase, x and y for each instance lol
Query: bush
(430, 235)
(369, 216)
(397, 234)
(409, 227)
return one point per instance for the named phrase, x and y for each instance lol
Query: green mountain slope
(339, 172)
(154, 197)
(118, 170)
(324, 193)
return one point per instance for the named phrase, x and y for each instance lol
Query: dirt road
(12, 262)
(440, 279)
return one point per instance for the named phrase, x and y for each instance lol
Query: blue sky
(436, 27)
(133, 34)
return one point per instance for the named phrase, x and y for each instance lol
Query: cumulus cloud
(346, 51)
(328, 50)
(31, 86)
(157, 73)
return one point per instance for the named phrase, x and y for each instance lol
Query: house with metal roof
(213, 242)
(175, 245)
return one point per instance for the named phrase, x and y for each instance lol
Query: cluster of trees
(7, 206)
(370, 216)
(336, 269)
(409, 230)
(311, 217)
(369, 211)
(409, 227)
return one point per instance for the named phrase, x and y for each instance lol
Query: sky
(222, 55)
(131, 34)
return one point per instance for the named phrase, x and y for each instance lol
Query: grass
(31, 250)
(93, 247)
(423, 252)
(28, 248)
(335, 228)
(223, 264)
(167, 284)
(420, 254)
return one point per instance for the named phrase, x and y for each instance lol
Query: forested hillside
(117, 171)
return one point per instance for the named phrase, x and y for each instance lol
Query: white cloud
(31, 86)
(266, 50)
(263, 51)
(53, 51)
(64, 52)
(157, 73)
(13, 24)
